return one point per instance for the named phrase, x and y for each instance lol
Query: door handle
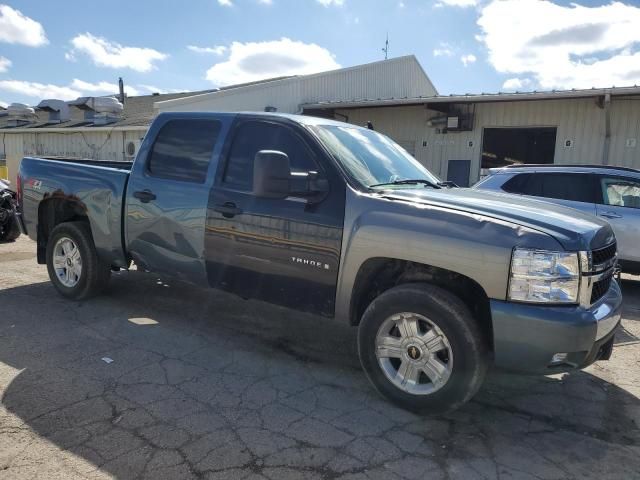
(228, 209)
(145, 196)
(610, 215)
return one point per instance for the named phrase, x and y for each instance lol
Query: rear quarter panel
(99, 192)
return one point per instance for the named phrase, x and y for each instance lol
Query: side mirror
(271, 174)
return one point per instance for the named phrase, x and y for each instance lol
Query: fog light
(559, 358)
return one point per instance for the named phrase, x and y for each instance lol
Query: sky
(51, 49)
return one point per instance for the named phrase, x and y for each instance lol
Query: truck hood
(574, 230)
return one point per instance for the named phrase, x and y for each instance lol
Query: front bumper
(526, 336)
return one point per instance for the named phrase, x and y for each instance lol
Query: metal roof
(138, 112)
(481, 97)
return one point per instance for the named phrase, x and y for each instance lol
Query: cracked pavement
(205, 385)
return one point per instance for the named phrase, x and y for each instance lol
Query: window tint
(183, 149)
(250, 138)
(525, 184)
(564, 186)
(621, 192)
(577, 187)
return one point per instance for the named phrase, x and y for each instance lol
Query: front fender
(476, 246)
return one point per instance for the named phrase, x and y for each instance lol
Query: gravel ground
(204, 385)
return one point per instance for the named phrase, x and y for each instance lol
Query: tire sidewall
(453, 318)
(80, 235)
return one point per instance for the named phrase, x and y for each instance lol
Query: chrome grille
(601, 287)
(604, 258)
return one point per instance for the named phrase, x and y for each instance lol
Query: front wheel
(421, 348)
(72, 262)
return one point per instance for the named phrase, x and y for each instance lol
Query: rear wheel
(72, 262)
(421, 348)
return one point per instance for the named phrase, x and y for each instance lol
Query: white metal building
(401, 77)
(456, 136)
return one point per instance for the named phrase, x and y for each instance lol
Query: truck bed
(95, 188)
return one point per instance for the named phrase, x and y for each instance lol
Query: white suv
(612, 193)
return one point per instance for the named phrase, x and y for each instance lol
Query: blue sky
(60, 49)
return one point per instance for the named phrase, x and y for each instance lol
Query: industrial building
(457, 136)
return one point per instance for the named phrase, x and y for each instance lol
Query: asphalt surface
(161, 380)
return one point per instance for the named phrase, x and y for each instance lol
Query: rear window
(183, 150)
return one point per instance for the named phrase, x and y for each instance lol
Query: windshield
(371, 158)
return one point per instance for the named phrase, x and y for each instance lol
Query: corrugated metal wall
(396, 78)
(580, 120)
(97, 145)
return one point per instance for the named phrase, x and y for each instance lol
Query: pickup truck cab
(338, 220)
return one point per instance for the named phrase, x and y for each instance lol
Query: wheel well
(53, 212)
(377, 275)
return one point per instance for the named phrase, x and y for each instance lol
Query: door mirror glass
(271, 174)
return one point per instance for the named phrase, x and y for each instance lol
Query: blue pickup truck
(338, 220)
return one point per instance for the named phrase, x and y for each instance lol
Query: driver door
(283, 251)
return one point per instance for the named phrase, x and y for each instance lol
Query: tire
(92, 276)
(12, 232)
(439, 336)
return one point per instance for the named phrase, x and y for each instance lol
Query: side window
(621, 192)
(183, 150)
(253, 136)
(577, 187)
(525, 184)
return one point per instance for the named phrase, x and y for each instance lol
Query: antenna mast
(386, 47)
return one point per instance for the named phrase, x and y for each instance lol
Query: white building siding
(581, 121)
(94, 145)
(396, 78)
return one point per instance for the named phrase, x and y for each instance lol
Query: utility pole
(386, 47)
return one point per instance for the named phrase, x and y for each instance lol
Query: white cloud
(226, 3)
(3, 104)
(39, 90)
(18, 28)
(443, 50)
(563, 46)
(101, 88)
(328, 3)
(110, 54)
(216, 50)
(266, 2)
(517, 83)
(5, 63)
(468, 59)
(259, 60)
(456, 3)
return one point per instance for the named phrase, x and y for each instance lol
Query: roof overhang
(479, 98)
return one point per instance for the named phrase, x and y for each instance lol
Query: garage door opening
(509, 146)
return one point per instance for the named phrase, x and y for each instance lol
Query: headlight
(541, 276)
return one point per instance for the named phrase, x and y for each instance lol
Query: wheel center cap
(414, 352)
(69, 262)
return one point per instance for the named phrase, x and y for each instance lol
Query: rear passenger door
(620, 206)
(574, 190)
(167, 195)
(283, 251)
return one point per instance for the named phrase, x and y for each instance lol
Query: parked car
(9, 229)
(338, 220)
(612, 193)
